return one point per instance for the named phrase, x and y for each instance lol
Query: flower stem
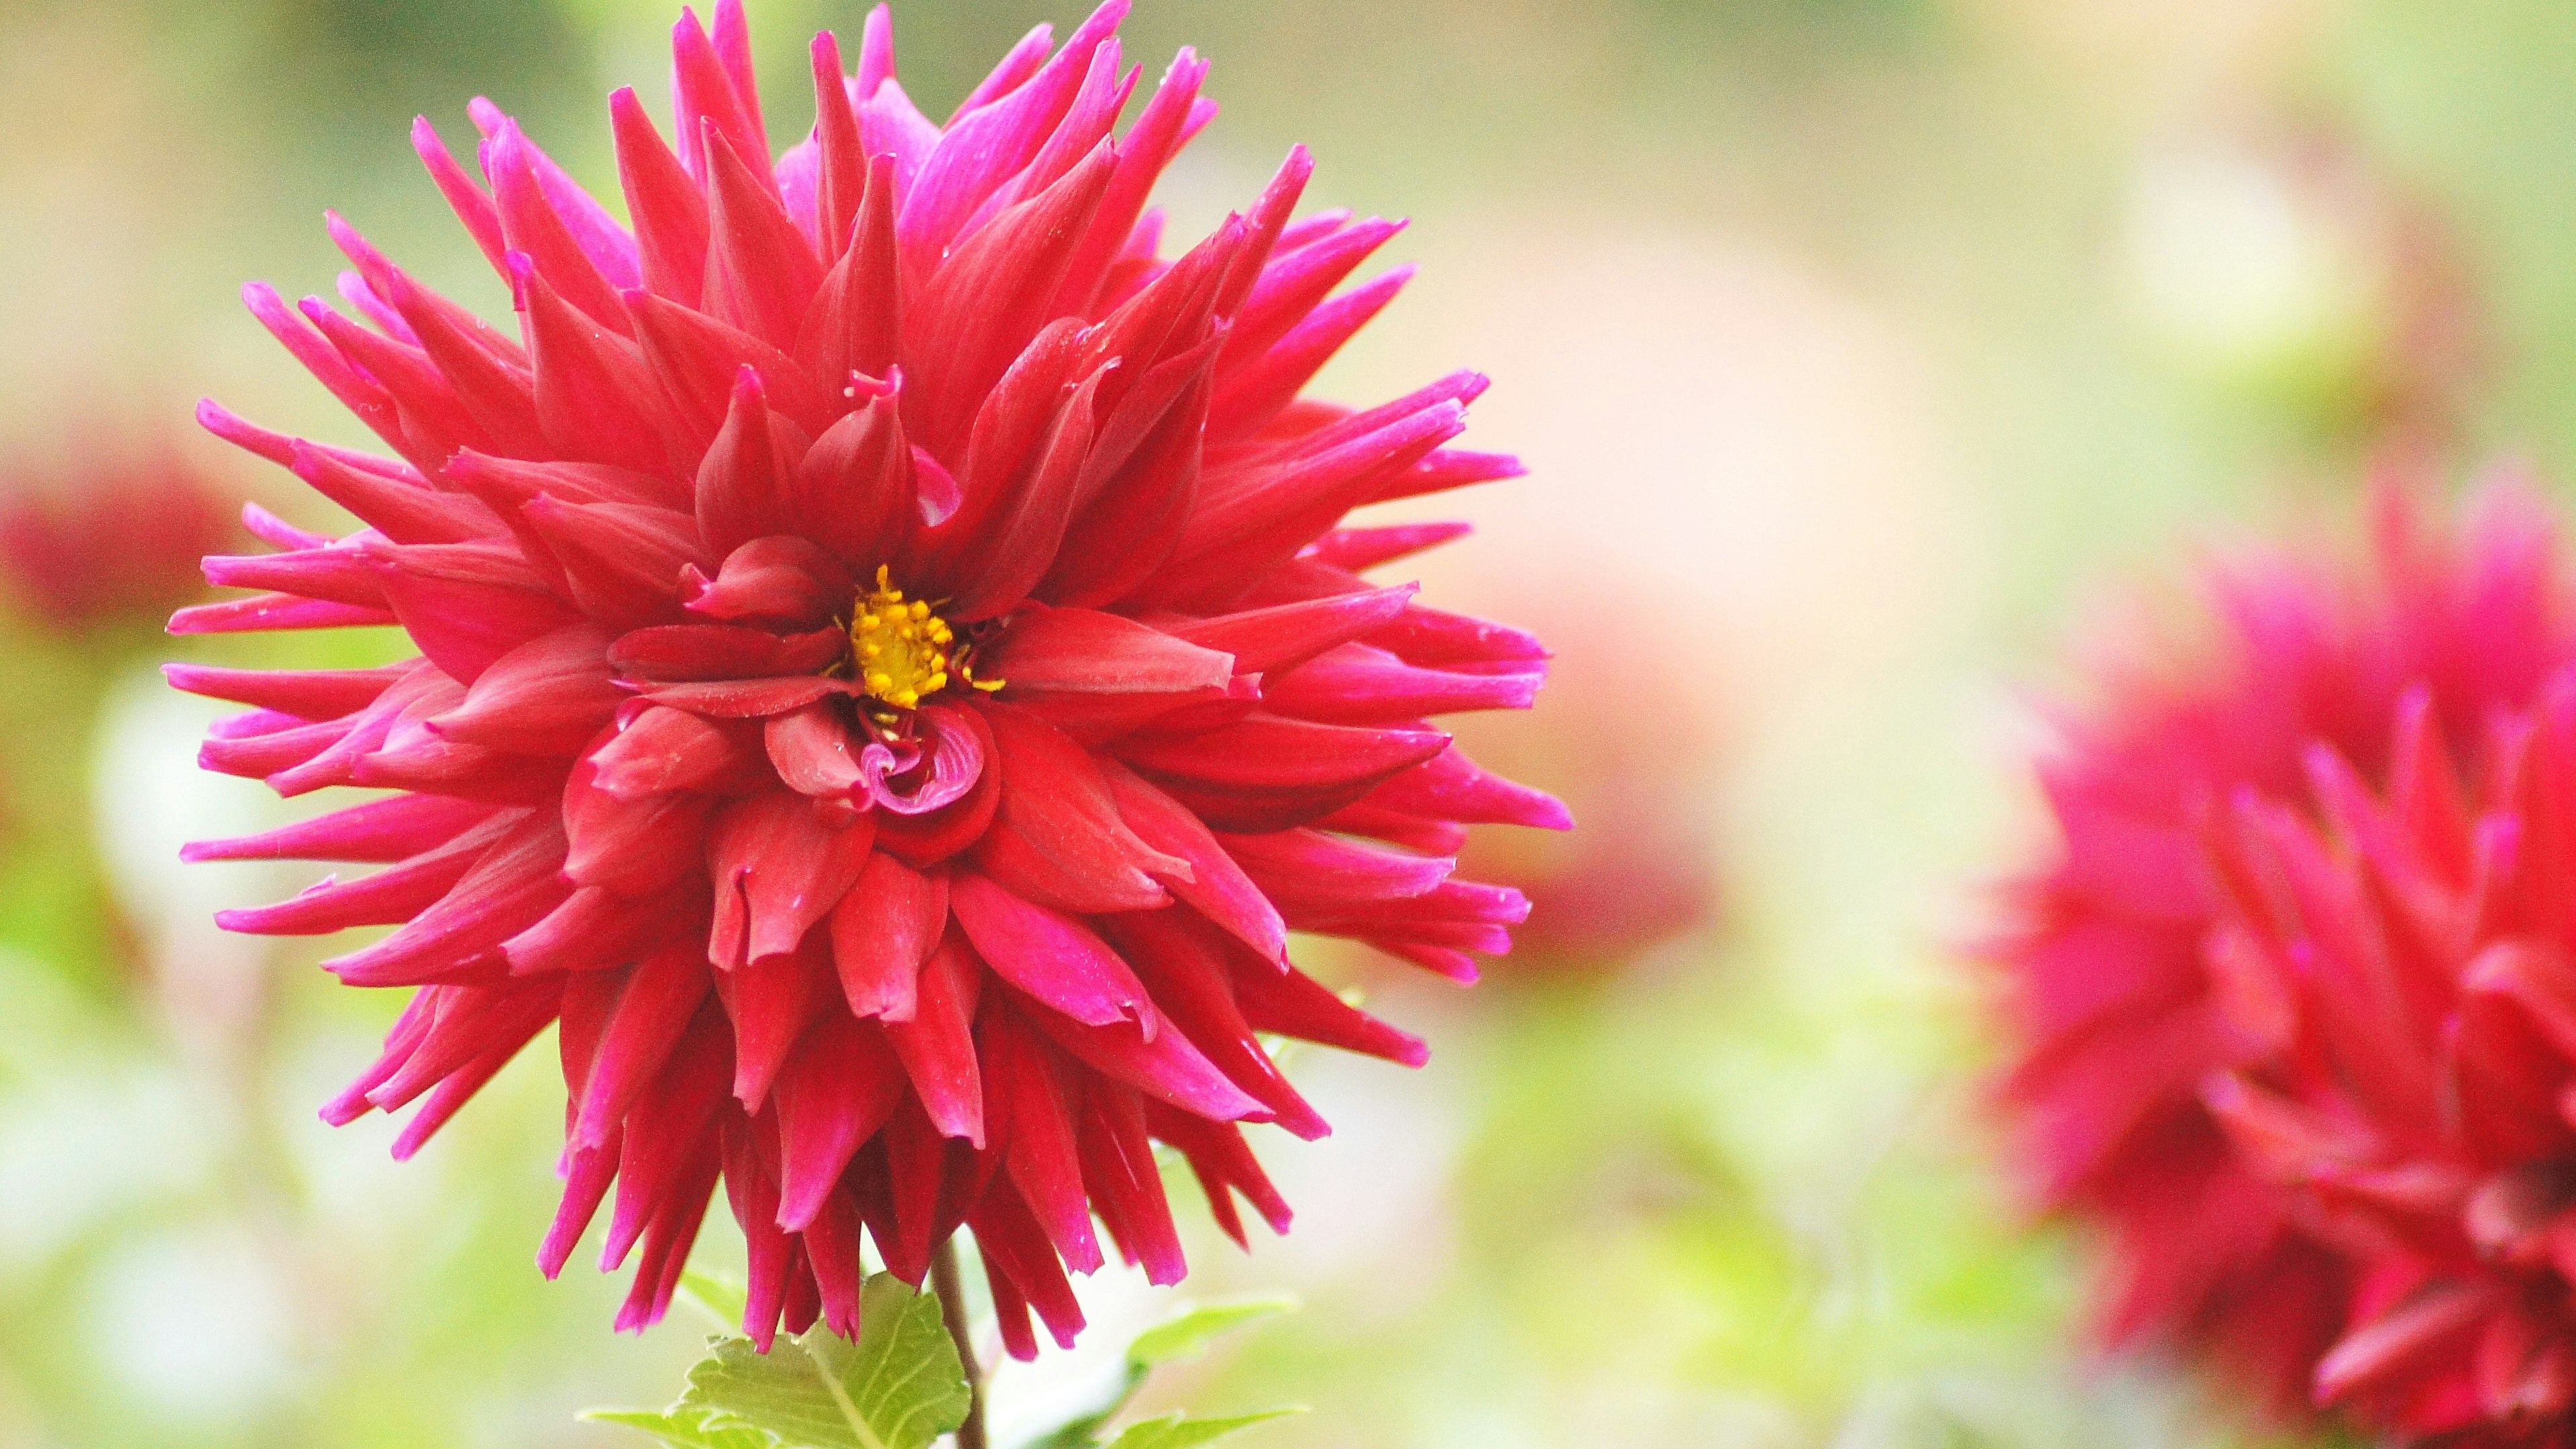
(952, 1311)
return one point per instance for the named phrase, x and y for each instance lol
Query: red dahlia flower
(892, 673)
(2145, 1031)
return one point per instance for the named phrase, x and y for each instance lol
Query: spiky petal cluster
(2119, 1013)
(2396, 972)
(892, 672)
(112, 539)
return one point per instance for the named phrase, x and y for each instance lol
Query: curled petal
(930, 771)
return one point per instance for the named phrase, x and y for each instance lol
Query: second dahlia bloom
(2272, 913)
(892, 673)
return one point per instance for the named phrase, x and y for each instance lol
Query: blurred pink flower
(1644, 868)
(2397, 986)
(112, 538)
(893, 673)
(2145, 1034)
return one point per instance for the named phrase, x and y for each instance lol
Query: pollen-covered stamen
(899, 649)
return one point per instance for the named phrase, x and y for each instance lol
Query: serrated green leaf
(1173, 1431)
(1188, 1335)
(898, 1387)
(684, 1427)
(721, 1296)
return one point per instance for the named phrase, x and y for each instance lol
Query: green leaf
(721, 1296)
(1188, 1335)
(1183, 1336)
(684, 1427)
(1172, 1431)
(898, 1387)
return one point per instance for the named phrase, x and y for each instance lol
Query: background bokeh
(1858, 348)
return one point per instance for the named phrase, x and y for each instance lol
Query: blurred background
(1858, 348)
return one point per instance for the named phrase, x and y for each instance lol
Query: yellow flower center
(899, 648)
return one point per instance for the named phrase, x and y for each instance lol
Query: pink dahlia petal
(892, 670)
(883, 932)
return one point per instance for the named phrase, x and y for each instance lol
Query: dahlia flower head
(2295, 1003)
(892, 673)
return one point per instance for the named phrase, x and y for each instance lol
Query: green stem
(944, 1281)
